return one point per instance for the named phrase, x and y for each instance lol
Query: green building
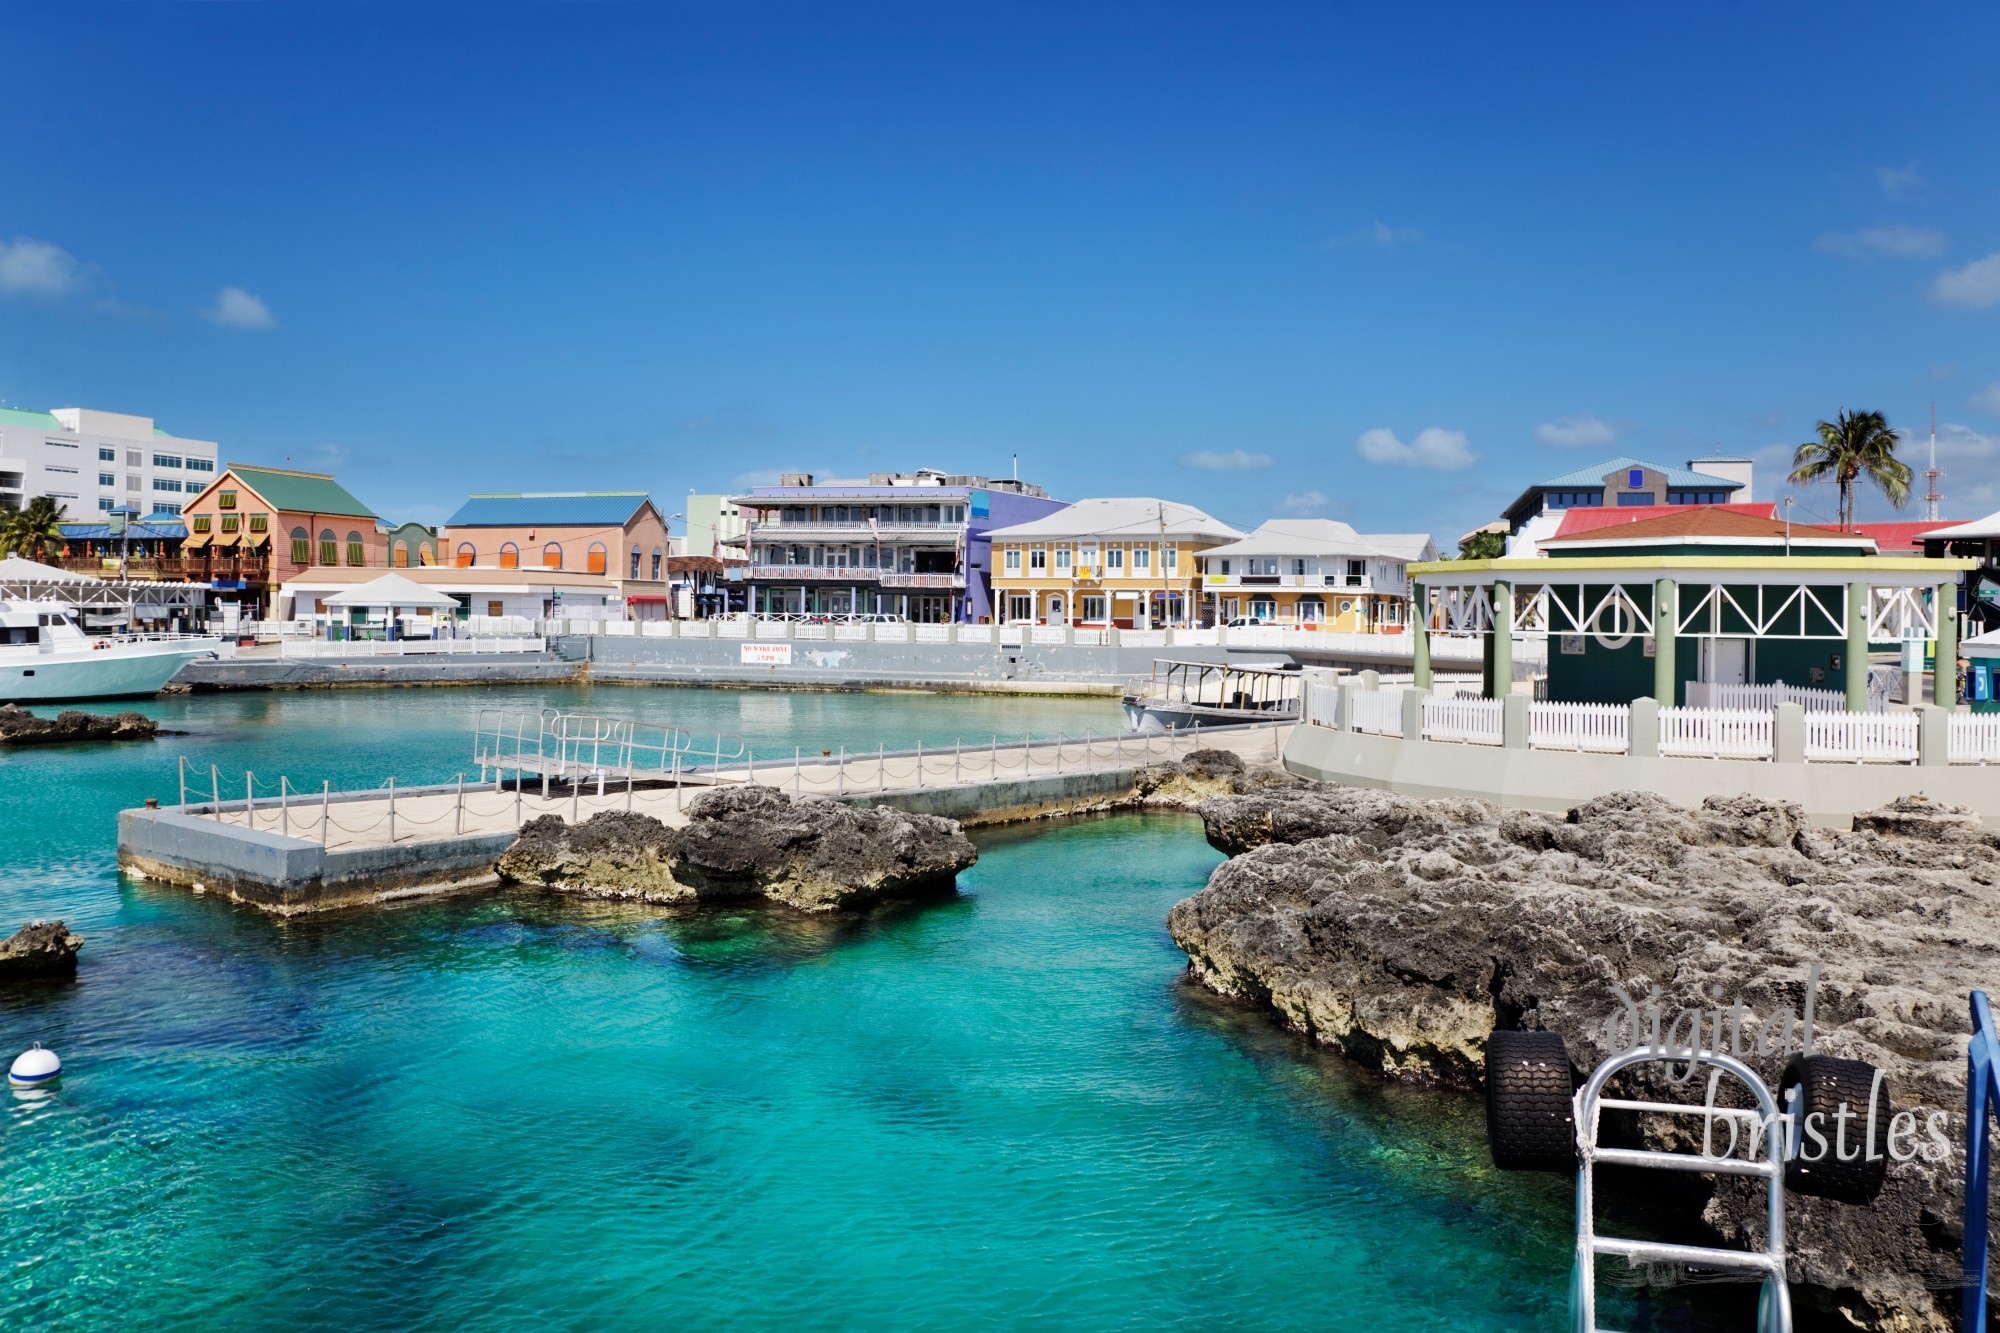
(1698, 595)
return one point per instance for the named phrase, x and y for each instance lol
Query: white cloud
(1381, 233)
(1897, 181)
(1987, 399)
(235, 308)
(1438, 450)
(1976, 286)
(1233, 460)
(1895, 240)
(35, 268)
(1304, 502)
(1575, 432)
(1956, 444)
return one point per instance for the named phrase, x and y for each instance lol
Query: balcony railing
(897, 578)
(888, 578)
(1305, 582)
(859, 533)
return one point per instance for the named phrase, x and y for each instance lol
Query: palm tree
(33, 530)
(1858, 445)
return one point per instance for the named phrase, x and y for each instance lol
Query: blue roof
(1594, 475)
(169, 530)
(553, 509)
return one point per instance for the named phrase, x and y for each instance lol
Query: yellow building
(1315, 572)
(1132, 563)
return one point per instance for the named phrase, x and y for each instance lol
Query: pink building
(616, 534)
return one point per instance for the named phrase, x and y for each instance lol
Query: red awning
(647, 597)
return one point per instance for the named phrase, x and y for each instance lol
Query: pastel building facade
(1622, 483)
(714, 526)
(1133, 563)
(615, 542)
(1316, 573)
(253, 528)
(910, 544)
(91, 462)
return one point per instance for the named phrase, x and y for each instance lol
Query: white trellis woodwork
(1466, 610)
(1776, 611)
(1895, 614)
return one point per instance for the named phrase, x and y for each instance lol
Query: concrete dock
(294, 852)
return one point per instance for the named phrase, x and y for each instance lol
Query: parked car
(1244, 622)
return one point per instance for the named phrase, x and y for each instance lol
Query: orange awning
(228, 538)
(195, 539)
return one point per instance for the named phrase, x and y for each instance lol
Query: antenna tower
(1931, 473)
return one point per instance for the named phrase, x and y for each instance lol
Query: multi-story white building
(91, 462)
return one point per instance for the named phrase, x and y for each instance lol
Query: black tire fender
(1530, 1117)
(1814, 1166)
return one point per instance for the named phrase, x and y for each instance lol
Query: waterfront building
(1316, 573)
(613, 534)
(91, 462)
(915, 545)
(714, 525)
(145, 549)
(704, 586)
(1622, 483)
(1676, 605)
(412, 545)
(482, 593)
(1133, 563)
(252, 528)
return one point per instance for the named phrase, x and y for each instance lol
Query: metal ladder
(1774, 1308)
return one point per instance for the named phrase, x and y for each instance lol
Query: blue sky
(1383, 264)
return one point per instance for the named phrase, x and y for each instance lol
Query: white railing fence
(1598, 728)
(1458, 718)
(314, 648)
(1862, 738)
(1715, 733)
(1379, 711)
(1709, 694)
(1974, 738)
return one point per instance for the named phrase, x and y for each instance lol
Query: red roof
(1900, 537)
(1579, 521)
(1720, 521)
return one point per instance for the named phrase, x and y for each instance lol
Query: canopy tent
(16, 569)
(392, 591)
(1982, 529)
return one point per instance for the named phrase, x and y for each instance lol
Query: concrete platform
(311, 853)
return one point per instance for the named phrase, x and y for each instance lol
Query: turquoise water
(1006, 1110)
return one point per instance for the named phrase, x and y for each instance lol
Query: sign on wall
(765, 654)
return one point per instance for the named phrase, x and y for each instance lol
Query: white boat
(1185, 695)
(46, 656)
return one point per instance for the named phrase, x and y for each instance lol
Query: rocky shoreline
(20, 727)
(1403, 931)
(39, 951)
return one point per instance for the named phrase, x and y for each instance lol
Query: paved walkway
(352, 821)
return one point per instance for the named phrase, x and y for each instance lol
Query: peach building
(617, 538)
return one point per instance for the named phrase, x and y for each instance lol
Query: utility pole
(1931, 473)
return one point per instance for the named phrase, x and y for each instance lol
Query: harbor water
(1006, 1110)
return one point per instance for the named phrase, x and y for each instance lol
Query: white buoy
(35, 1067)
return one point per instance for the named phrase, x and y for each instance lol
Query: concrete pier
(314, 851)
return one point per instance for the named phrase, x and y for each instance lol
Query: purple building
(906, 544)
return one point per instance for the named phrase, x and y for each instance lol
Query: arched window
(656, 564)
(329, 549)
(552, 556)
(596, 559)
(355, 553)
(510, 556)
(301, 547)
(466, 555)
(636, 558)
(402, 555)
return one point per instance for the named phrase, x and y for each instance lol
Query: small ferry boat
(1214, 694)
(46, 656)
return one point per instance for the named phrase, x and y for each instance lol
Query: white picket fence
(1458, 718)
(1598, 728)
(1715, 733)
(1379, 711)
(317, 648)
(1862, 738)
(1709, 694)
(1974, 738)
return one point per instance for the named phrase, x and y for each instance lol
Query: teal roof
(16, 416)
(1594, 475)
(300, 492)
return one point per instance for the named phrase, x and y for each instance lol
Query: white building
(92, 462)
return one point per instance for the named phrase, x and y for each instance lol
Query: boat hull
(1153, 718)
(122, 671)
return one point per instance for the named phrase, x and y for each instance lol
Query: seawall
(272, 673)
